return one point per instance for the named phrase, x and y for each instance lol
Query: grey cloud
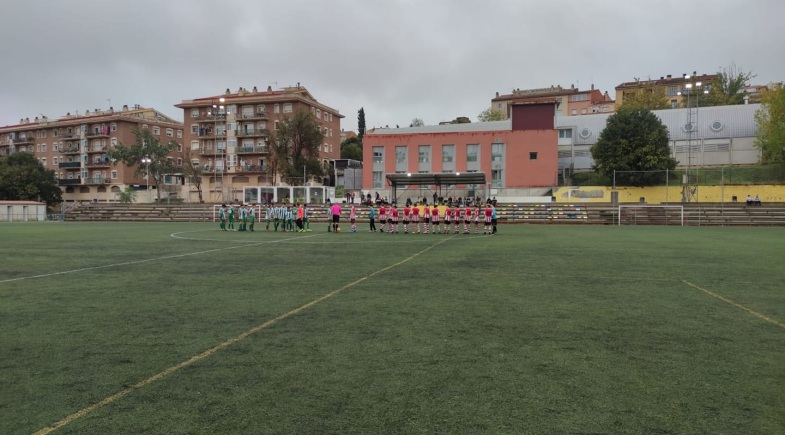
(399, 59)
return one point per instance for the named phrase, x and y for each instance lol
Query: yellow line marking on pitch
(128, 390)
(736, 304)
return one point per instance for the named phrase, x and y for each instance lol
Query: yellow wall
(671, 194)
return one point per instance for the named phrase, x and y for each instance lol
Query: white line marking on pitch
(166, 257)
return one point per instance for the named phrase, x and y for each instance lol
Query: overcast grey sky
(399, 59)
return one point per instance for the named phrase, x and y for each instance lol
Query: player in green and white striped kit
(289, 218)
(231, 217)
(268, 216)
(222, 217)
(251, 216)
(278, 217)
(243, 217)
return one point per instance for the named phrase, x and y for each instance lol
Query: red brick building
(518, 156)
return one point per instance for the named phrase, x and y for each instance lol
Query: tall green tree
(295, 146)
(149, 147)
(634, 141)
(649, 97)
(192, 174)
(361, 123)
(24, 178)
(727, 88)
(491, 114)
(352, 148)
(771, 124)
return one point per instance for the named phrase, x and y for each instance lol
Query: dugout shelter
(441, 183)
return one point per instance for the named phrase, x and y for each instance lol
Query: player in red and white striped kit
(393, 218)
(447, 219)
(407, 215)
(416, 219)
(435, 219)
(477, 213)
(426, 218)
(488, 214)
(456, 215)
(467, 220)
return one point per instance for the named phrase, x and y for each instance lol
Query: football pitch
(126, 328)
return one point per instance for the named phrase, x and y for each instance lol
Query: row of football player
(433, 220)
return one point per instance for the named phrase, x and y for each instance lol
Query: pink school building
(518, 156)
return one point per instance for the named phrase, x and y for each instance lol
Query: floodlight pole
(217, 110)
(688, 189)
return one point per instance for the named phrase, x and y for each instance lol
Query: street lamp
(146, 162)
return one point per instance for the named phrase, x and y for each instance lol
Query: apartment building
(672, 86)
(227, 136)
(571, 101)
(75, 147)
(518, 156)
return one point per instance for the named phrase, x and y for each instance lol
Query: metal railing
(251, 150)
(97, 181)
(251, 168)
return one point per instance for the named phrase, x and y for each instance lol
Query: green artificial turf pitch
(181, 328)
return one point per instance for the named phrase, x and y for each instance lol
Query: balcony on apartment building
(251, 116)
(69, 181)
(99, 163)
(70, 150)
(251, 169)
(69, 165)
(251, 150)
(173, 170)
(210, 132)
(207, 169)
(212, 151)
(96, 148)
(97, 181)
(101, 132)
(28, 139)
(251, 132)
(209, 117)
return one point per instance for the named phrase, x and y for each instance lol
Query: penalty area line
(736, 304)
(130, 389)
